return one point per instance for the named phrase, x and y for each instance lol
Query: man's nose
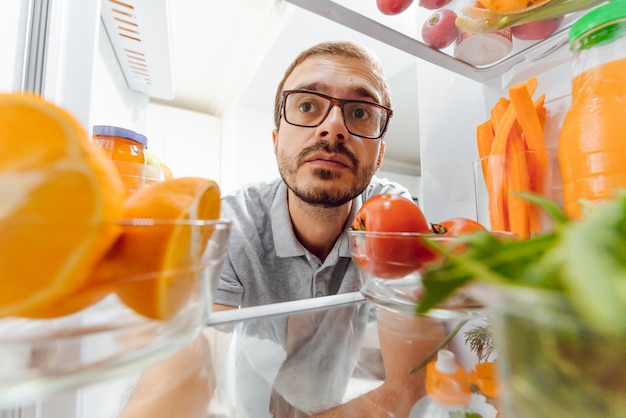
(333, 127)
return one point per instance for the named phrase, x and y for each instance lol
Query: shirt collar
(285, 241)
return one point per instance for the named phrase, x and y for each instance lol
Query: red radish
(439, 30)
(433, 4)
(393, 7)
(536, 31)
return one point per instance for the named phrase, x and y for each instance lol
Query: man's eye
(360, 113)
(306, 107)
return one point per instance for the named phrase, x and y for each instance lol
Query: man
(288, 239)
(289, 242)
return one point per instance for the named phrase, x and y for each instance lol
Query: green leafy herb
(585, 260)
(479, 340)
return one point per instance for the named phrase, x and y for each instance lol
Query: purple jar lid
(107, 130)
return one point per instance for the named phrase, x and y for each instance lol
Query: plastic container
(127, 149)
(592, 142)
(448, 388)
(483, 48)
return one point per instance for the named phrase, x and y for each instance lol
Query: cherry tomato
(457, 226)
(391, 256)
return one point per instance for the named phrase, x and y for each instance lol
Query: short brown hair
(346, 49)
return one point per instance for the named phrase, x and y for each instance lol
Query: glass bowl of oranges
(147, 296)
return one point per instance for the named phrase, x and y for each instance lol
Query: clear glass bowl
(390, 264)
(41, 357)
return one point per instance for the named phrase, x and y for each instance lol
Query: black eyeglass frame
(335, 102)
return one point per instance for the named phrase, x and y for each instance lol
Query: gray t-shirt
(266, 263)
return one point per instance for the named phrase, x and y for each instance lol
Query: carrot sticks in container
(514, 158)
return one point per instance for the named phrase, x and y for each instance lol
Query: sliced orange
(87, 295)
(155, 263)
(58, 190)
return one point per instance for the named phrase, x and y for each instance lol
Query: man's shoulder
(254, 199)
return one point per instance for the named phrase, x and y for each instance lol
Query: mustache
(334, 148)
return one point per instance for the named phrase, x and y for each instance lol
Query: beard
(328, 194)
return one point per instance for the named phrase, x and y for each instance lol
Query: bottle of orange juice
(127, 149)
(592, 144)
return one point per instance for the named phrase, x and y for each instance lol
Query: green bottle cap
(598, 17)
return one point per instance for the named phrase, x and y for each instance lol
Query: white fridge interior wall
(12, 24)
(449, 108)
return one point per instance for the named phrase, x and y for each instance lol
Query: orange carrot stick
(495, 173)
(509, 117)
(495, 179)
(497, 111)
(541, 110)
(527, 117)
(531, 124)
(517, 181)
(484, 138)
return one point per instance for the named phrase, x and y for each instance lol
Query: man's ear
(275, 139)
(381, 154)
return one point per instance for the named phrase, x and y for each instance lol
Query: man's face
(327, 166)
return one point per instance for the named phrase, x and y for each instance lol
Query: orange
(155, 263)
(512, 6)
(87, 295)
(57, 189)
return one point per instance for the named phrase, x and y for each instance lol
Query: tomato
(454, 227)
(390, 256)
(457, 226)
(393, 7)
(390, 213)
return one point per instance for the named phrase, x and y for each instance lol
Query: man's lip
(333, 158)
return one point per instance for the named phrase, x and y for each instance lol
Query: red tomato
(391, 256)
(390, 213)
(457, 226)
(393, 7)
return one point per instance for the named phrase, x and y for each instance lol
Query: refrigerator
(72, 53)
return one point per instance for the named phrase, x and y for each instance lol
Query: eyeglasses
(309, 109)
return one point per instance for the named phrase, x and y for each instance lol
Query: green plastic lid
(609, 12)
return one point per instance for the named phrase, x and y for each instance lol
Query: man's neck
(316, 227)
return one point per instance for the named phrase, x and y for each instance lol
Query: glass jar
(592, 142)
(550, 361)
(121, 144)
(127, 149)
